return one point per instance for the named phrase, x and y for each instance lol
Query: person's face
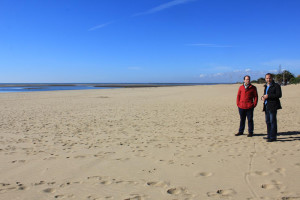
(247, 80)
(268, 79)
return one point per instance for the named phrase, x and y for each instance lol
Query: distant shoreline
(104, 84)
(38, 87)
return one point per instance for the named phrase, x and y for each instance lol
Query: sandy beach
(145, 143)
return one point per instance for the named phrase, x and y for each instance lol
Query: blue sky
(147, 40)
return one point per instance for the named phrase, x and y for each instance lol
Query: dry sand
(145, 143)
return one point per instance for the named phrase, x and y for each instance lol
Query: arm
(255, 97)
(238, 97)
(264, 96)
(277, 94)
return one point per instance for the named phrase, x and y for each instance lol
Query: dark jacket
(274, 93)
(246, 98)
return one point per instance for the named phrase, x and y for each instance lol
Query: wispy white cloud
(100, 26)
(163, 7)
(293, 63)
(233, 76)
(217, 74)
(216, 67)
(237, 70)
(209, 45)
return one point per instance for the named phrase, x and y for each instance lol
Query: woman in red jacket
(246, 101)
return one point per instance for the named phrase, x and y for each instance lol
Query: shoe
(271, 140)
(237, 134)
(266, 138)
(250, 135)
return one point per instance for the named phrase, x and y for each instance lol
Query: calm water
(31, 87)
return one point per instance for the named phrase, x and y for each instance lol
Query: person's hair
(247, 76)
(269, 74)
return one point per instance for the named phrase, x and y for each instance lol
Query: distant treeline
(282, 78)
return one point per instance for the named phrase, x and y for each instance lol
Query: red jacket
(246, 98)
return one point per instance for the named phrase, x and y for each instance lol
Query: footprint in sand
(176, 191)
(92, 198)
(64, 185)
(225, 193)
(107, 197)
(49, 190)
(157, 184)
(109, 153)
(39, 183)
(8, 189)
(273, 185)
(204, 174)
(59, 196)
(19, 161)
(79, 156)
(94, 177)
(126, 182)
(98, 198)
(107, 182)
(280, 171)
(64, 196)
(261, 173)
(4, 187)
(135, 197)
(99, 156)
(4, 184)
(50, 158)
(290, 198)
(123, 159)
(22, 187)
(267, 186)
(271, 160)
(170, 162)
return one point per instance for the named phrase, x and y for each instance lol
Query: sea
(35, 87)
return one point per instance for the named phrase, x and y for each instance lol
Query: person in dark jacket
(246, 101)
(271, 96)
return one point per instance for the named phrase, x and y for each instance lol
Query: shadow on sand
(285, 136)
(259, 134)
(288, 136)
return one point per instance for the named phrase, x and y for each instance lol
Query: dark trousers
(249, 114)
(271, 121)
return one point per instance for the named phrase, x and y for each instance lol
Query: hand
(264, 97)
